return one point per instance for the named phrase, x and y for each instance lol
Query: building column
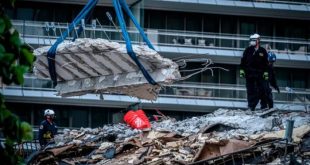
(137, 9)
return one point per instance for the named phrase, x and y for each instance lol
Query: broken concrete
(240, 136)
(98, 65)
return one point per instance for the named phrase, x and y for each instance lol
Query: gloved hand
(242, 73)
(266, 76)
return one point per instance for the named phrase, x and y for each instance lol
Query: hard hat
(255, 36)
(272, 57)
(49, 112)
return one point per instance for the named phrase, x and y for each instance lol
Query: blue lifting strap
(118, 4)
(81, 27)
(52, 51)
(133, 19)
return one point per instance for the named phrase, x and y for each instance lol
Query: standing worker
(48, 128)
(272, 79)
(254, 67)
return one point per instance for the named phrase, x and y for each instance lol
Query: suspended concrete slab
(101, 66)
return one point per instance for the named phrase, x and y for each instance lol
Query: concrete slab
(98, 65)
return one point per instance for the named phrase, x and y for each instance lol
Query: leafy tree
(15, 59)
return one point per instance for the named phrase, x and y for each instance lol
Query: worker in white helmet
(254, 68)
(48, 128)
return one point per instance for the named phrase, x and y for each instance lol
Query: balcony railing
(44, 33)
(293, 2)
(193, 90)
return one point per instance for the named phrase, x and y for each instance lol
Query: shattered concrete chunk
(179, 143)
(101, 66)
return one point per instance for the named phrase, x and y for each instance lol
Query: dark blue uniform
(273, 82)
(255, 62)
(47, 132)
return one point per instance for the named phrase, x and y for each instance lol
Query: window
(63, 14)
(292, 28)
(23, 111)
(228, 24)
(175, 21)
(78, 117)
(156, 19)
(100, 116)
(265, 27)
(44, 15)
(211, 23)
(192, 65)
(247, 26)
(100, 14)
(207, 77)
(282, 76)
(9, 12)
(193, 22)
(227, 77)
(24, 14)
(298, 78)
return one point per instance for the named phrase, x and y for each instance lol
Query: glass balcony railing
(231, 92)
(44, 33)
(194, 90)
(293, 2)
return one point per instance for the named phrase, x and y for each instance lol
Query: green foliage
(15, 60)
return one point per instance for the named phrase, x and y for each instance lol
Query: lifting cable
(118, 5)
(52, 51)
(86, 11)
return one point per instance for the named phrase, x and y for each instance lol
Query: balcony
(200, 97)
(295, 2)
(223, 48)
(264, 8)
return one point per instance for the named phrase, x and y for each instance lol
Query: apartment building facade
(194, 29)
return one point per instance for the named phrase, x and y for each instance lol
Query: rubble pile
(242, 122)
(220, 134)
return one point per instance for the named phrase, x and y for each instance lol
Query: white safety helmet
(49, 112)
(254, 36)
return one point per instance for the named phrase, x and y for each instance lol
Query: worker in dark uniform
(272, 80)
(254, 67)
(48, 128)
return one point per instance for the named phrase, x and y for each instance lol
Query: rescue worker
(48, 128)
(254, 67)
(272, 80)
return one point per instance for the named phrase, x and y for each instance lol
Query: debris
(218, 127)
(298, 133)
(110, 152)
(305, 144)
(229, 136)
(98, 66)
